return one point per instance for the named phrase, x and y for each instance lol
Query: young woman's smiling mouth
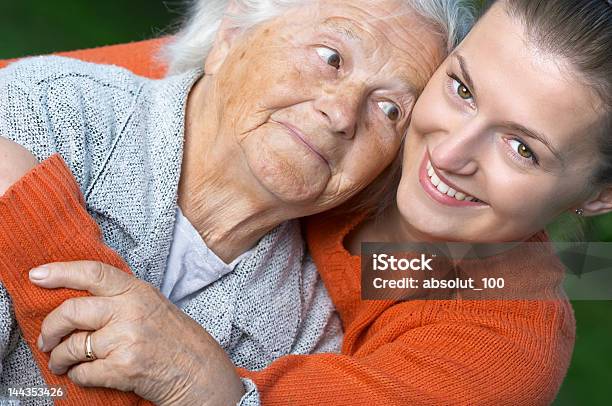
(443, 191)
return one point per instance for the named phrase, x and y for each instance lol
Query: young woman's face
(501, 141)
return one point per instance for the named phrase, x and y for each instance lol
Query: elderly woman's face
(319, 98)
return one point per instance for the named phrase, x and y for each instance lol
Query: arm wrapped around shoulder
(15, 161)
(435, 353)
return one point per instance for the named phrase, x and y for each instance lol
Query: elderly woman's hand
(143, 343)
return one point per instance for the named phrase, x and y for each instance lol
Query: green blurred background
(33, 27)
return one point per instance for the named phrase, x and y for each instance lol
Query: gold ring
(89, 354)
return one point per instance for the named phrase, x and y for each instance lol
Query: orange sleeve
(417, 352)
(43, 220)
(466, 356)
(422, 352)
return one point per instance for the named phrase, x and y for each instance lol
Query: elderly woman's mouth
(299, 136)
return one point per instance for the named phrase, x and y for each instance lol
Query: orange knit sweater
(43, 220)
(425, 352)
(414, 352)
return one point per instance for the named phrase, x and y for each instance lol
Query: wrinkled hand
(143, 343)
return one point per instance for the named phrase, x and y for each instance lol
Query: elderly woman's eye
(330, 56)
(390, 109)
(462, 90)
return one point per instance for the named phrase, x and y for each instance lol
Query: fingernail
(40, 343)
(54, 371)
(39, 274)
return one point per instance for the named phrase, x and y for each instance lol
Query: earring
(579, 212)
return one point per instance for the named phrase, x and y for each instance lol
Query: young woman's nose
(458, 151)
(341, 108)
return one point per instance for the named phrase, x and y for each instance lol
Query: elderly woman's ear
(15, 161)
(224, 40)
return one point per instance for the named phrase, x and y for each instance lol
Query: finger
(82, 313)
(73, 350)
(97, 278)
(99, 373)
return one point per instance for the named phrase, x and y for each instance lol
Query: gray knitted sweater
(122, 137)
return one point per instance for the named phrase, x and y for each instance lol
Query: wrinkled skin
(136, 338)
(351, 117)
(279, 73)
(298, 114)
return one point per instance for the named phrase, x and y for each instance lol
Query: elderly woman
(298, 99)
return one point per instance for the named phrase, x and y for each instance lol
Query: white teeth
(443, 187)
(435, 180)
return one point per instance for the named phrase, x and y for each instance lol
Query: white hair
(189, 47)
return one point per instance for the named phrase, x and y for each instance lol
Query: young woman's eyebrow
(465, 73)
(535, 135)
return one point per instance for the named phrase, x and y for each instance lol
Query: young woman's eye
(522, 150)
(330, 56)
(461, 90)
(390, 109)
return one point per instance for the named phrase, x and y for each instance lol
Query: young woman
(513, 130)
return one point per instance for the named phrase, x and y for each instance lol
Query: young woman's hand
(15, 161)
(143, 342)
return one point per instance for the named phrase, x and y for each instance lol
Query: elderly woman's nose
(342, 108)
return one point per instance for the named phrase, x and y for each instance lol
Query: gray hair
(189, 47)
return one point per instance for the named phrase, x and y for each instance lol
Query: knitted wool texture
(414, 352)
(428, 352)
(122, 137)
(30, 199)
